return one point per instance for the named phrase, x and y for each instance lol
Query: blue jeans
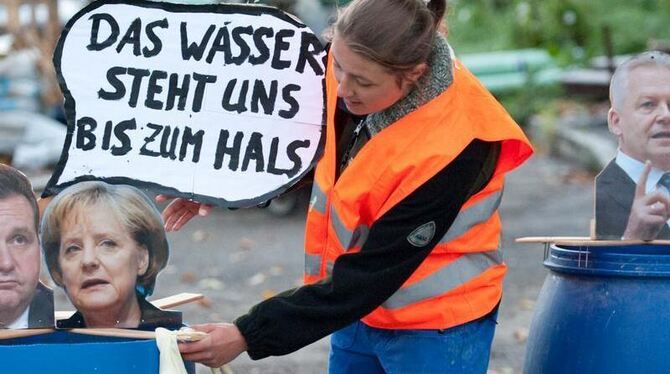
(359, 348)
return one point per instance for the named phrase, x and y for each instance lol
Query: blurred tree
(557, 25)
(570, 29)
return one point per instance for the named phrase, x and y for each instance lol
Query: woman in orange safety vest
(402, 257)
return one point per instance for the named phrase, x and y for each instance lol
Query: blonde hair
(136, 212)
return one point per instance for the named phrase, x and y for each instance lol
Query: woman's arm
(360, 281)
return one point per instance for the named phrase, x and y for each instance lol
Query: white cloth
(634, 168)
(170, 358)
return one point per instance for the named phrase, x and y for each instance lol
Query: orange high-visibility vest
(461, 280)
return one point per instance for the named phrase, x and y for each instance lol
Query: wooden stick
(587, 241)
(117, 333)
(187, 335)
(549, 239)
(11, 334)
(176, 300)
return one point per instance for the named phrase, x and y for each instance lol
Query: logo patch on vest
(422, 235)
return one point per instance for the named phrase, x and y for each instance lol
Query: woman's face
(365, 86)
(99, 260)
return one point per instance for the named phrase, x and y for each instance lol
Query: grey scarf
(437, 78)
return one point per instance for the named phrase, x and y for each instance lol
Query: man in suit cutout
(632, 197)
(24, 301)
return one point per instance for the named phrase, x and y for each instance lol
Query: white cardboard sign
(220, 103)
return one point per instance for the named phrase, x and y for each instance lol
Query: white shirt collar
(634, 168)
(21, 322)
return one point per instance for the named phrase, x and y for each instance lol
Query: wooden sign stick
(176, 300)
(187, 335)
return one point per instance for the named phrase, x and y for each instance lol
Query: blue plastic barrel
(61, 352)
(602, 310)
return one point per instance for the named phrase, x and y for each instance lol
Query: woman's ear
(408, 79)
(142, 260)
(416, 72)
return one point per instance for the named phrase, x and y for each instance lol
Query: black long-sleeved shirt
(362, 281)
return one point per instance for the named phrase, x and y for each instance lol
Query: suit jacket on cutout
(41, 312)
(614, 197)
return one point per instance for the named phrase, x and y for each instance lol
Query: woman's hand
(223, 343)
(179, 211)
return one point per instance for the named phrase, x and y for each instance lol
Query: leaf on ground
(246, 244)
(200, 236)
(205, 302)
(188, 277)
(521, 334)
(256, 279)
(266, 294)
(526, 304)
(276, 270)
(211, 284)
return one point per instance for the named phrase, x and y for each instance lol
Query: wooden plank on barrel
(189, 335)
(586, 241)
(22, 333)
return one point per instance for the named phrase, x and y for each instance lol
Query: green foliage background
(571, 30)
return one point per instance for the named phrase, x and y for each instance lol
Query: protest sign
(220, 103)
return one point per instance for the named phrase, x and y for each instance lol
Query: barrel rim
(626, 260)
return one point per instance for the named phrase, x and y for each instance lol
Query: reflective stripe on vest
(449, 277)
(313, 265)
(348, 239)
(473, 215)
(318, 199)
(465, 220)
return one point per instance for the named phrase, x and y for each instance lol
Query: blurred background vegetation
(570, 30)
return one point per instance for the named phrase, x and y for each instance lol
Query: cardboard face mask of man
(633, 191)
(24, 301)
